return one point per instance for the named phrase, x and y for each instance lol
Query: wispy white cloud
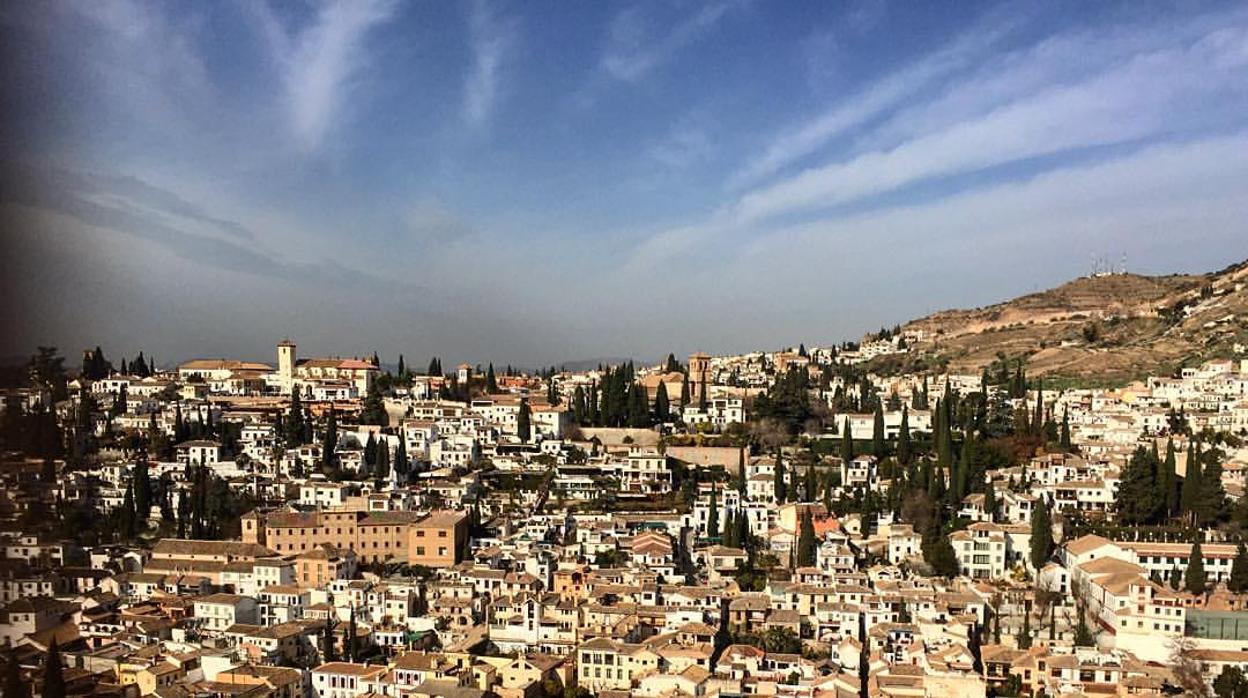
(688, 143)
(320, 63)
(491, 39)
(1132, 100)
(633, 50)
(806, 138)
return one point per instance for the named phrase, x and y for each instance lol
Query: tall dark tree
(1194, 575)
(374, 411)
(1189, 496)
(847, 442)
(13, 684)
(877, 432)
(53, 673)
(712, 516)
(806, 543)
(864, 656)
(294, 422)
(382, 469)
(1041, 533)
(779, 485)
(1140, 500)
(1169, 480)
(491, 383)
(904, 454)
(329, 652)
(524, 426)
(329, 444)
(402, 367)
(142, 490)
(1238, 581)
(126, 519)
(662, 407)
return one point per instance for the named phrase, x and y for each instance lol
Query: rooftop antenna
(1123, 268)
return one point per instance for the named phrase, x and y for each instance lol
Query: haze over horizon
(532, 184)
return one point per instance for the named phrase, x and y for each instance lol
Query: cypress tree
(877, 432)
(382, 471)
(142, 490)
(1169, 475)
(352, 645)
(1189, 497)
(53, 676)
(990, 501)
(1194, 576)
(402, 367)
(328, 650)
(329, 444)
(293, 421)
(684, 393)
(662, 410)
(864, 656)
(806, 543)
(712, 516)
(903, 438)
(126, 522)
(1064, 439)
(1083, 634)
(741, 532)
(13, 684)
(524, 427)
(847, 443)
(730, 528)
(1041, 534)
(778, 480)
(1024, 636)
(491, 383)
(1238, 582)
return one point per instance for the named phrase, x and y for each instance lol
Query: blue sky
(538, 182)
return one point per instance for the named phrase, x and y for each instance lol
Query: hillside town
(792, 523)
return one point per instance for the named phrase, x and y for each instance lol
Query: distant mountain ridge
(1112, 327)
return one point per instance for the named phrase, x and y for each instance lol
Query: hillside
(1109, 328)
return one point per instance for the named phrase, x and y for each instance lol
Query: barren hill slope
(1112, 327)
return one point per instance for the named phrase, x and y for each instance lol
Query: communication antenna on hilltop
(1123, 268)
(1092, 257)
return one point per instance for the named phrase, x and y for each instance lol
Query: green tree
(712, 516)
(847, 442)
(491, 383)
(1064, 440)
(142, 490)
(778, 481)
(293, 424)
(1083, 634)
(904, 455)
(374, 411)
(1189, 496)
(13, 684)
(53, 676)
(1169, 480)
(877, 432)
(806, 542)
(1231, 683)
(329, 652)
(1238, 581)
(1139, 500)
(1024, 636)
(382, 469)
(990, 500)
(1041, 534)
(524, 426)
(329, 445)
(662, 409)
(1194, 575)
